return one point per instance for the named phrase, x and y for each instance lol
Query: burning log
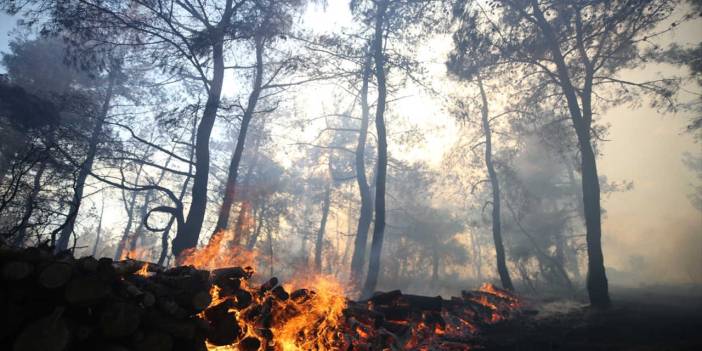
(132, 306)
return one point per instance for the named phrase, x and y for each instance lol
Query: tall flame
(218, 253)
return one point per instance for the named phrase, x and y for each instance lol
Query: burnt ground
(639, 320)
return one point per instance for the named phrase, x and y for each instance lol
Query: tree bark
(379, 227)
(366, 212)
(230, 188)
(86, 167)
(495, 186)
(597, 285)
(187, 235)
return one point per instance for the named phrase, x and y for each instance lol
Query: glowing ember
(313, 314)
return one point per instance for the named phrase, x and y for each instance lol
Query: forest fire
(148, 307)
(314, 314)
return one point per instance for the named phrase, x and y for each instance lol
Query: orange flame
(143, 271)
(216, 255)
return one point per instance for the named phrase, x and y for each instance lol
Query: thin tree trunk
(86, 167)
(99, 228)
(319, 244)
(495, 185)
(230, 188)
(366, 212)
(187, 236)
(379, 227)
(597, 285)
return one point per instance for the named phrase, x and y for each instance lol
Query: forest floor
(642, 319)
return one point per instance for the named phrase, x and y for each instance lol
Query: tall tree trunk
(99, 229)
(366, 212)
(187, 235)
(319, 243)
(495, 186)
(379, 227)
(86, 167)
(29, 205)
(597, 285)
(230, 188)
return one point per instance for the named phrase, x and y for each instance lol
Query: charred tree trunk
(319, 244)
(597, 285)
(67, 227)
(379, 227)
(366, 212)
(187, 235)
(230, 188)
(581, 116)
(495, 186)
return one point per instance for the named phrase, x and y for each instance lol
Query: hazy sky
(654, 220)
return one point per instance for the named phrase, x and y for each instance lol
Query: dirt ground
(640, 320)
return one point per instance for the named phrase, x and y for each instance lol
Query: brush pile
(55, 302)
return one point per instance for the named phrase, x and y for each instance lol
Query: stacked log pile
(397, 321)
(54, 302)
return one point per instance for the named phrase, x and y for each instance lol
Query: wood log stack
(55, 302)
(396, 321)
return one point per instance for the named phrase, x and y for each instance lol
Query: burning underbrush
(56, 302)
